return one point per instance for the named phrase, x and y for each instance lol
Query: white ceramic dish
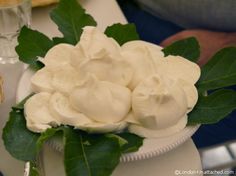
(151, 147)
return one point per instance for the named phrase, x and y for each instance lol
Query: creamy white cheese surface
(159, 102)
(101, 101)
(37, 113)
(98, 86)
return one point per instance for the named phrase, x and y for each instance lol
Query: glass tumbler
(14, 14)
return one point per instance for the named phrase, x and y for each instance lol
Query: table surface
(185, 157)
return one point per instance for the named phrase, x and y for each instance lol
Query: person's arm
(210, 41)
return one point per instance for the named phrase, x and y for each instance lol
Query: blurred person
(212, 22)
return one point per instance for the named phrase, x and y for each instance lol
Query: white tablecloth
(106, 12)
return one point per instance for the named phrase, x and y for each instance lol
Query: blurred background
(213, 24)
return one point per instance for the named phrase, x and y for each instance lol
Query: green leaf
(34, 171)
(211, 109)
(89, 156)
(122, 33)
(220, 71)
(128, 142)
(18, 140)
(49, 133)
(70, 18)
(121, 140)
(32, 44)
(37, 65)
(188, 48)
(133, 144)
(58, 40)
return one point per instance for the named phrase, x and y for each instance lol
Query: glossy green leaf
(18, 140)
(32, 44)
(121, 140)
(133, 144)
(48, 134)
(220, 71)
(122, 33)
(58, 40)
(37, 65)
(70, 18)
(34, 171)
(188, 48)
(211, 109)
(89, 156)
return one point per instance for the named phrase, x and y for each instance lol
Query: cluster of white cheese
(99, 86)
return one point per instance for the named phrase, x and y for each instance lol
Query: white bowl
(151, 147)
